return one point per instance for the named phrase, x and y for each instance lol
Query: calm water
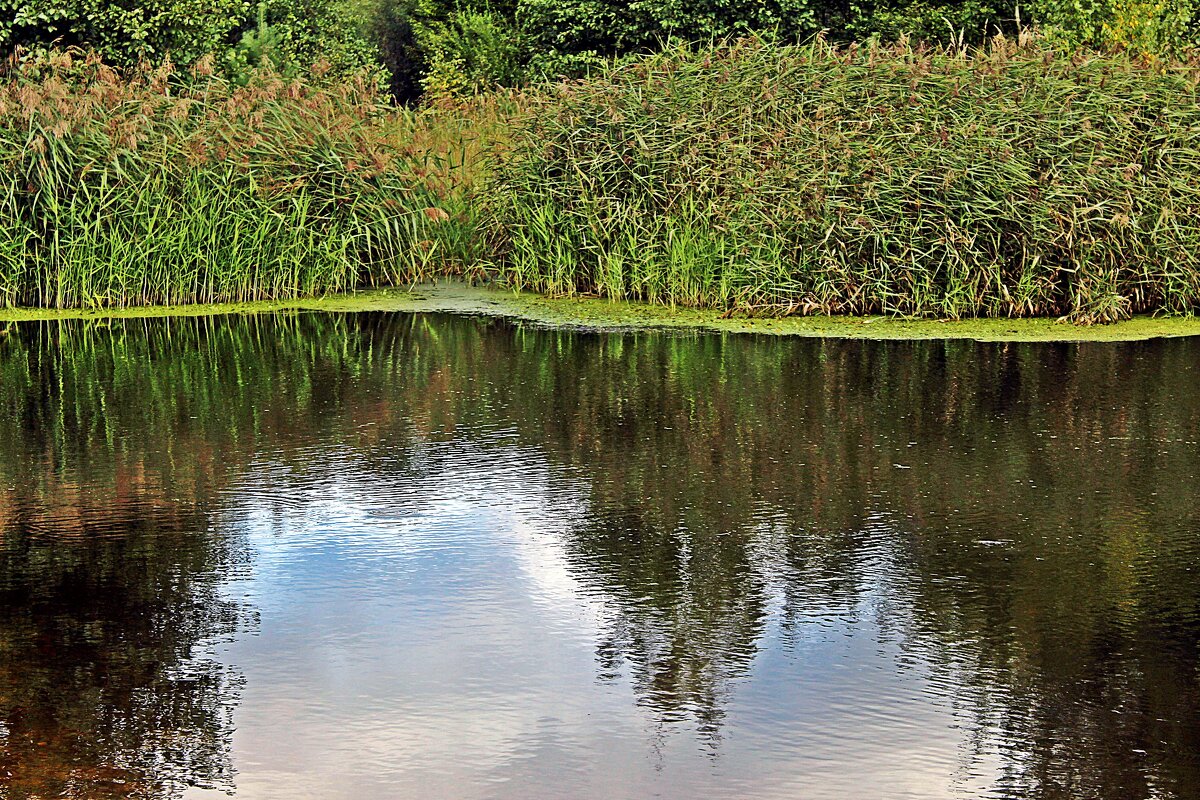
(394, 556)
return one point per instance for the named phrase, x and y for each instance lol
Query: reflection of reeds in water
(1038, 546)
(1014, 181)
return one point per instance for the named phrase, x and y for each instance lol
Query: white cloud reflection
(426, 636)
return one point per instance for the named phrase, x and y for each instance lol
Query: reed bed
(152, 187)
(1012, 181)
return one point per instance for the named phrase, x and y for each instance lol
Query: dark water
(390, 556)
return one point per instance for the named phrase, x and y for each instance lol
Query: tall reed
(1013, 181)
(153, 187)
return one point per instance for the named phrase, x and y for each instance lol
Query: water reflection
(108, 590)
(487, 558)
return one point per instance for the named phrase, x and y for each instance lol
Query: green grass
(1010, 182)
(749, 178)
(150, 187)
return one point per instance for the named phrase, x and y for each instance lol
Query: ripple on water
(447, 557)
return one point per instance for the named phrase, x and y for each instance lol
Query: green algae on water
(599, 314)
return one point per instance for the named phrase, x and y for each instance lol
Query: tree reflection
(1028, 511)
(687, 611)
(100, 692)
(109, 590)
(1031, 508)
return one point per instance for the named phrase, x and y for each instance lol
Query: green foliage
(313, 31)
(613, 27)
(463, 47)
(118, 190)
(296, 32)
(1013, 182)
(447, 49)
(470, 51)
(1156, 27)
(460, 47)
(260, 45)
(963, 21)
(125, 30)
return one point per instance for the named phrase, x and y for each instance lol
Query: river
(386, 555)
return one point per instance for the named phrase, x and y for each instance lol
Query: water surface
(392, 555)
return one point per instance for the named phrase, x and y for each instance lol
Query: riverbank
(600, 314)
(754, 180)
(1012, 181)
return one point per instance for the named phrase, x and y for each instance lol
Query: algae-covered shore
(600, 314)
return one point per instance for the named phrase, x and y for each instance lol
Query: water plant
(1009, 181)
(152, 187)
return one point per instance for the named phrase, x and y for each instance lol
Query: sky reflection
(419, 555)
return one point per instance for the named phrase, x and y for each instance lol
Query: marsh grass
(152, 187)
(1012, 181)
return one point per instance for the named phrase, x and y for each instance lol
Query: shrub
(471, 51)
(127, 31)
(963, 21)
(123, 31)
(1014, 182)
(1143, 26)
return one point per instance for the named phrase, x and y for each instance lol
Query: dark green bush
(614, 27)
(392, 26)
(963, 21)
(1014, 182)
(125, 30)
(301, 31)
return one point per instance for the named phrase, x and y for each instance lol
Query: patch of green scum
(605, 314)
(598, 314)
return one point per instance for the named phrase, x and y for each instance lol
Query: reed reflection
(1019, 520)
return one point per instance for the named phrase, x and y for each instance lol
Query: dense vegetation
(456, 46)
(237, 34)
(479, 43)
(137, 188)
(233, 151)
(1012, 181)
(863, 180)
